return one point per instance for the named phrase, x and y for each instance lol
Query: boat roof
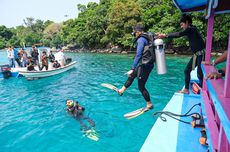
(219, 6)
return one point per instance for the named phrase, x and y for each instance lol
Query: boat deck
(172, 135)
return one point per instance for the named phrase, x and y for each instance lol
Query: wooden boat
(31, 75)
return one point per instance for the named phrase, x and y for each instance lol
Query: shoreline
(120, 51)
(116, 51)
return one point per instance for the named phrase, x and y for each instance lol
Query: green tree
(2, 42)
(51, 34)
(221, 32)
(5, 35)
(5, 32)
(123, 16)
(110, 23)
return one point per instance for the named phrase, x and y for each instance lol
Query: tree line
(109, 23)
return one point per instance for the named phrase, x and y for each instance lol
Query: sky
(12, 12)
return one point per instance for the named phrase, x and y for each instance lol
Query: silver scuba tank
(160, 56)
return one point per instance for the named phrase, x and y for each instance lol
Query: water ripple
(32, 112)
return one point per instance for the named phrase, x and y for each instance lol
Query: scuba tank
(160, 56)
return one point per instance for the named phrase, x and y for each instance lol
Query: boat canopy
(219, 6)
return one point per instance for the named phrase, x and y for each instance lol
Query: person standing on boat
(44, 61)
(35, 54)
(139, 69)
(10, 55)
(16, 57)
(24, 57)
(60, 57)
(197, 46)
(51, 57)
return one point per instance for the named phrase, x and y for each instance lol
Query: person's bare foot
(184, 91)
(149, 105)
(118, 91)
(121, 91)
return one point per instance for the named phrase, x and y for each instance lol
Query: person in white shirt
(10, 55)
(60, 57)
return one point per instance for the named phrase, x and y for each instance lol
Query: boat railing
(217, 108)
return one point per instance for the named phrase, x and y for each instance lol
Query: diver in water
(77, 110)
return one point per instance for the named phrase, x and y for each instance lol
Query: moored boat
(5, 71)
(15, 70)
(31, 75)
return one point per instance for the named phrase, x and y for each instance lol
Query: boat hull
(42, 74)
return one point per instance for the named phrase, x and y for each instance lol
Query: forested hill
(109, 24)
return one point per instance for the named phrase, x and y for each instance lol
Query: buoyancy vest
(148, 55)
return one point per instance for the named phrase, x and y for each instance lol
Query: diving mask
(69, 103)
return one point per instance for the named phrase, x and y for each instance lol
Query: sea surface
(33, 115)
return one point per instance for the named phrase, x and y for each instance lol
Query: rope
(173, 115)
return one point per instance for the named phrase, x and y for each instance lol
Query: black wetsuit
(77, 112)
(196, 44)
(35, 55)
(141, 71)
(51, 58)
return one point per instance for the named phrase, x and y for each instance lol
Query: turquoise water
(33, 116)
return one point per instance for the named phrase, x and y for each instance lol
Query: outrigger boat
(213, 103)
(31, 75)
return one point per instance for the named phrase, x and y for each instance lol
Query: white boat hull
(42, 74)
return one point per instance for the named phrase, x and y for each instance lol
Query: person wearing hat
(139, 69)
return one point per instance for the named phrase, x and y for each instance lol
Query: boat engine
(5, 71)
